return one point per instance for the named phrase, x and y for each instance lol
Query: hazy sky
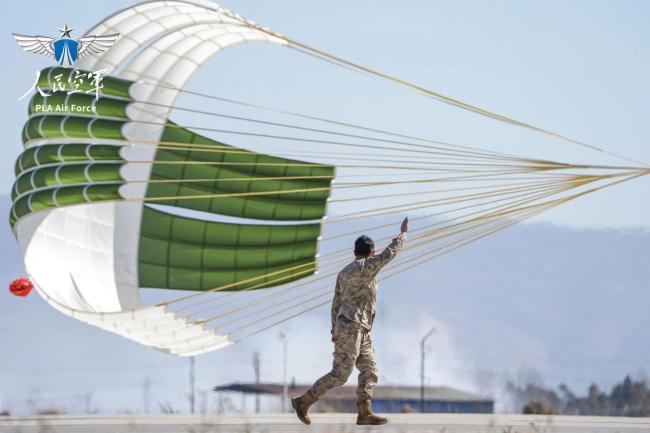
(579, 68)
(570, 303)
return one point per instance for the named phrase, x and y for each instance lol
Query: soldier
(353, 312)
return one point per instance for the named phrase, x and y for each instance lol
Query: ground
(281, 423)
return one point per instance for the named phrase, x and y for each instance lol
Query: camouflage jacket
(356, 286)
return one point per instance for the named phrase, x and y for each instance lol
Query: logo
(65, 49)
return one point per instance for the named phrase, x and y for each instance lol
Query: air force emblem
(65, 49)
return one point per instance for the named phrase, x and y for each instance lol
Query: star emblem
(65, 31)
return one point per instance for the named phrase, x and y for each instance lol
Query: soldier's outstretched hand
(405, 225)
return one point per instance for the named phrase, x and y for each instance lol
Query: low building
(386, 398)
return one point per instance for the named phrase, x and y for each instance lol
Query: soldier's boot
(366, 416)
(301, 405)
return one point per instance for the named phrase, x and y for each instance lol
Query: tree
(628, 398)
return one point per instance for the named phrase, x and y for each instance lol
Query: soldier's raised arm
(375, 263)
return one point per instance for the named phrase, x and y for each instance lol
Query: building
(387, 399)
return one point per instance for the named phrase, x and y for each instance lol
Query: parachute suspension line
(519, 214)
(642, 172)
(470, 225)
(445, 250)
(556, 202)
(333, 155)
(247, 289)
(214, 149)
(290, 288)
(548, 165)
(298, 305)
(259, 301)
(439, 202)
(482, 214)
(256, 302)
(298, 139)
(347, 185)
(282, 271)
(523, 162)
(445, 150)
(537, 196)
(300, 164)
(424, 166)
(446, 99)
(413, 206)
(500, 214)
(317, 293)
(428, 216)
(434, 235)
(455, 199)
(470, 239)
(279, 192)
(277, 313)
(293, 316)
(347, 64)
(437, 191)
(340, 185)
(171, 145)
(451, 230)
(522, 214)
(335, 122)
(406, 266)
(522, 199)
(337, 186)
(237, 283)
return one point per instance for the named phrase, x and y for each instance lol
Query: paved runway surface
(281, 423)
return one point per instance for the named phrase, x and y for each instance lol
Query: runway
(335, 422)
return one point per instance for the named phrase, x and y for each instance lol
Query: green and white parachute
(79, 214)
(103, 202)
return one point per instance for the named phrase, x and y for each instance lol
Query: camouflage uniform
(353, 312)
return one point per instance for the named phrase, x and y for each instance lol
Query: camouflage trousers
(352, 347)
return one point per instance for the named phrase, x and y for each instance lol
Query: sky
(565, 295)
(578, 68)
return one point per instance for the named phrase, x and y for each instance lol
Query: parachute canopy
(102, 208)
(118, 198)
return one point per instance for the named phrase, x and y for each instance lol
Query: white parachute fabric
(83, 259)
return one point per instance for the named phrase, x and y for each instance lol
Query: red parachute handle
(21, 287)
